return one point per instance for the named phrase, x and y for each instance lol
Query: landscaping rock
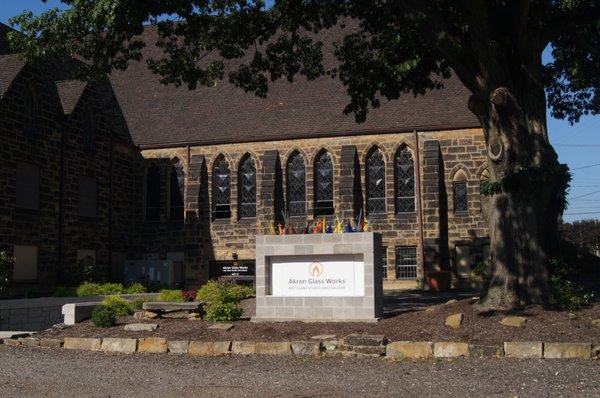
(452, 301)
(11, 342)
(450, 350)
(454, 320)
(331, 345)
(485, 351)
(243, 347)
(150, 315)
(306, 347)
(365, 339)
(273, 348)
(369, 350)
(567, 350)
(209, 348)
(596, 351)
(514, 321)
(141, 327)
(596, 323)
(163, 306)
(51, 343)
(523, 349)
(123, 346)
(29, 341)
(178, 346)
(82, 343)
(138, 315)
(323, 337)
(154, 345)
(221, 326)
(409, 350)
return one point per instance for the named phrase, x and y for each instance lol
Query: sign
(317, 276)
(240, 270)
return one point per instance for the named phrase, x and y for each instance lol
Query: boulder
(82, 343)
(523, 349)
(455, 320)
(306, 347)
(243, 347)
(123, 346)
(163, 306)
(221, 326)
(138, 315)
(178, 346)
(141, 327)
(365, 339)
(52, 343)
(596, 323)
(409, 350)
(450, 350)
(567, 350)
(150, 315)
(323, 337)
(514, 321)
(29, 341)
(154, 345)
(209, 348)
(369, 350)
(273, 348)
(452, 301)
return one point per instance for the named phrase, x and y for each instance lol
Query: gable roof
(159, 115)
(10, 66)
(69, 92)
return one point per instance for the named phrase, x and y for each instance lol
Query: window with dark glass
(296, 186)
(88, 130)
(27, 186)
(30, 110)
(406, 262)
(176, 187)
(221, 188)
(375, 174)
(323, 176)
(153, 193)
(384, 262)
(404, 170)
(460, 192)
(247, 188)
(87, 197)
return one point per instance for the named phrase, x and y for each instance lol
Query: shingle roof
(10, 66)
(166, 115)
(69, 92)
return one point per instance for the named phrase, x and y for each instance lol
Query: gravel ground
(62, 373)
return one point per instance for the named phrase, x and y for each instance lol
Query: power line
(578, 214)
(586, 167)
(578, 145)
(587, 194)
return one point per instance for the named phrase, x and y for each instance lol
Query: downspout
(419, 203)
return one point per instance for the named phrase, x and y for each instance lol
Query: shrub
(88, 289)
(6, 264)
(171, 296)
(135, 288)
(104, 317)
(190, 295)
(242, 291)
(219, 312)
(565, 295)
(64, 291)
(81, 271)
(119, 305)
(136, 304)
(111, 288)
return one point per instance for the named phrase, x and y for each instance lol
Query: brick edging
(395, 350)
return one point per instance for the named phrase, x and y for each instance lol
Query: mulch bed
(417, 325)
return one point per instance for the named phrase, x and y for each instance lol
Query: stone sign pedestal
(319, 277)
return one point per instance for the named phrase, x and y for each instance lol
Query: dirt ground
(423, 322)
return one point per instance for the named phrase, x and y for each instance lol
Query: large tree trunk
(523, 207)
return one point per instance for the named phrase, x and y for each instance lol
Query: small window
(296, 185)
(375, 176)
(30, 110)
(88, 197)
(25, 266)
(406, 262)
(404, 170)
(88, 130)
(176, 185)
(28, 186)
(463, 260)
(153, 193)
(221, 188)
(460, 193)
(323, 176)
(384, 263)
(247, 188)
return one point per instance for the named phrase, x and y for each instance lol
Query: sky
(577, 145)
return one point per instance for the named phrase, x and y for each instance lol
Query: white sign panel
(317, 276)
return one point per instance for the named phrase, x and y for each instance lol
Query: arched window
(30, 110)
(88, 130)
(176, 187)
(221, 179)
(296, 185)
(323, 179)
(375, 177)
(460, 192)
(404, 170)
(153, 193)
(247, 188)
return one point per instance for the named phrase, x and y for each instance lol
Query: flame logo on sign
(315, 269)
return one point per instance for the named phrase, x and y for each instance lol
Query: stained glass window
(405, 181)
(247, 188)
(375, 175)
(406, 262)
(221, 188)
(153, 193)
(296, 185)
(323, 176)
(461, 203)
(176, 191)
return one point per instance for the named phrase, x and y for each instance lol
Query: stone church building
(130, 169)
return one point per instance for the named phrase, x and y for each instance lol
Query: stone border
(351, 346)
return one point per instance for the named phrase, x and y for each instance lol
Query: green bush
(111, 288)
(565, 295)
(136, 304)
(135, 288)
(64, 291)
(175, 296)
(104, 317)
(88, 289)
(119, 305)
(220, 312)
(6, 264)
(242, 292)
